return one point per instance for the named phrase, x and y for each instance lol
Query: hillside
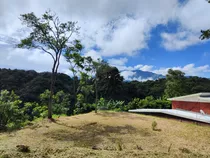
(108, 134)
(30, 84)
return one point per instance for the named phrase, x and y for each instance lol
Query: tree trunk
(52, 84)
(96, 101)
(74, 86)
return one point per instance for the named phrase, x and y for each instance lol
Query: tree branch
(40, 47)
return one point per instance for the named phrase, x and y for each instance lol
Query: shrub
(119, 146)
(102, 104)
(81, 106)
(34, 110)
(134, 104)
(154, 125)
(61, 102)
(111, 105)
(11, 115)
(149, 102)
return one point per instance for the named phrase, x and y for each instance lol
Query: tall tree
(50, 36)
(109, 80)
(92, 67)
(175, 85)
(76, 62)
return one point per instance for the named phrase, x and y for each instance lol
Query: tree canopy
(52, 37)
(175, 85)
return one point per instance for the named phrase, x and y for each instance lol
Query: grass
(107, 134)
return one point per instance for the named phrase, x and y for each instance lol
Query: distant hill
(30, 84)
(144, 75)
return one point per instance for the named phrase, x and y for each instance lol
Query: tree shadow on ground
(91, 134)
(121, 115)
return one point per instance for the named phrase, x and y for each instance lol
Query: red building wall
(191, 106)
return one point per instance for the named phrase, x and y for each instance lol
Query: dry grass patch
(108, 134)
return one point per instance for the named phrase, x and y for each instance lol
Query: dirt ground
(108, 134)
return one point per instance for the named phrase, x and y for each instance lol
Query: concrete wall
(191, 106)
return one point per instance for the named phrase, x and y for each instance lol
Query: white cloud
(117, 62)
(93, 54)
(143, 67)
(129, 36)
(29, 59)
(127, 75)
(179, 40)
(120, 63)
(192, 17)
(130, 76)
(189, 70)
(116, 27)
(140, 79)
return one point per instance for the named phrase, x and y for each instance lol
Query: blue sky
(148, 35)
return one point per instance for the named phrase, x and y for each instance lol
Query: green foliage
(47, 32)
(60, 105)
(154, 125)
(85, 87)
(81, 106)
(175, 85)
(111, 105)
(30, 84)
(52, 37)
(102, 104)
(116, 105)
(11, 115)
(205, 34)
(34, 110)
(119, 146)
(149, 103)
(134, 104)
(109, 81)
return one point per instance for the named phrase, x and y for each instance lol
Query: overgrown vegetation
(11, 115)
(28, 95)
(16, 111)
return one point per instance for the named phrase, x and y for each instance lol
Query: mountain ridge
(142, 75)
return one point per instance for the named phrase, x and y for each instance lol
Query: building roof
(178, 113)
(198, 97)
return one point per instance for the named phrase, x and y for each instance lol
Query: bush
(81, 106)
(34, 110)
(154, 125)
(134, 104)
(11, 115)
(111, 105)
(61, 102)
(149, 103)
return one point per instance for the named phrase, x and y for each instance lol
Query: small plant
(119, 146)
(154, 125)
